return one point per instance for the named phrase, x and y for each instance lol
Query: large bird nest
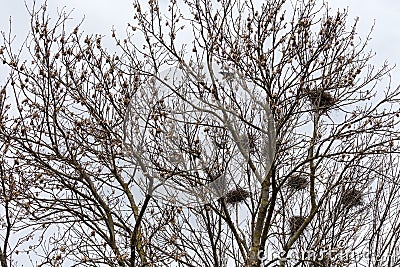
(316, 259)
(295, 223)
(297, 182)
(351, 198)
(324, 262)
(321, 99)
(237, 195)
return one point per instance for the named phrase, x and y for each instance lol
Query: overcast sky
(101, 15)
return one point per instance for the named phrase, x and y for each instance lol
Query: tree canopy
(215, 133)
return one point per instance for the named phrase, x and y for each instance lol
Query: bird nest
(351, 198)
(295, 222)
(297, 182)
(321, 100)
(236, 196)
(324, 262)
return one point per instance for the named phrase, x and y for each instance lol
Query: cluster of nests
(236, 196)
(350, 198)
(321, 99)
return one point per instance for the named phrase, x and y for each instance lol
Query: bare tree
(217, 133)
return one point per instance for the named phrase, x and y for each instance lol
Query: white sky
(101, 15)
